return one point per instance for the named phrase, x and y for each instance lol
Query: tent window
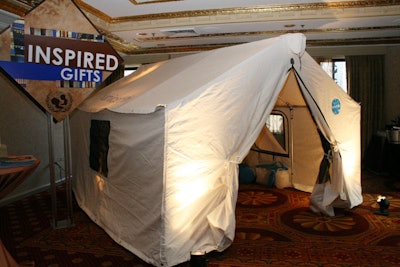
(275, 124)
(336, 68)
(99, 132)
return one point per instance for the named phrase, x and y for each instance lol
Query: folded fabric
(16, 161)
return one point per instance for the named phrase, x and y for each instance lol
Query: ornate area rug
(274, 228)
(28, 235)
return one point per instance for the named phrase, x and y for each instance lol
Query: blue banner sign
(31, 71)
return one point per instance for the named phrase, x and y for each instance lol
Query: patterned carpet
(274, 228)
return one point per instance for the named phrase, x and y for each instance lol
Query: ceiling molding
(332, 7)
(288, 13)
(18, 7)
(311, 44)
(125, 25)
(145, 2)
(354, 42)
(273, 33)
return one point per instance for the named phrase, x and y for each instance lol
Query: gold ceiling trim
(268, 33)
(21, 7)
(116, 42)
(240, 10)
(310, 43)
(175, 49)
(152, 2)
(18, 7)
(354, 41)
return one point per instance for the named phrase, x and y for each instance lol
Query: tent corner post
(68, 221)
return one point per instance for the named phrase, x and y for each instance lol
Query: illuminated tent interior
(156, 153)
(290, 140)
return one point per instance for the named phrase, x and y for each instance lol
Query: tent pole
(68, 175)
(291, 145)
(51, 169)
(55, 223)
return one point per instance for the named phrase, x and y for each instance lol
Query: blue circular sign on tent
(335, 106)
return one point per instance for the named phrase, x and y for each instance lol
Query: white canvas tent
(175, 132)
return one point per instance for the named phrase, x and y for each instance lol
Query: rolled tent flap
(337, 116)
(220, 221)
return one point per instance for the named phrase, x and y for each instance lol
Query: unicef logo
(335, 106)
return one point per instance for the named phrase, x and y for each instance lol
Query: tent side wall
(338, 117)
(127, 203)
(208, 134)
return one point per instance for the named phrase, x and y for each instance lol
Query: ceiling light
(180, 32)
(289, 25)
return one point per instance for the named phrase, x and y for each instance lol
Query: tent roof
(164, 83)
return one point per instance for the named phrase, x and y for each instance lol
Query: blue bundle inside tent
(266, 173)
